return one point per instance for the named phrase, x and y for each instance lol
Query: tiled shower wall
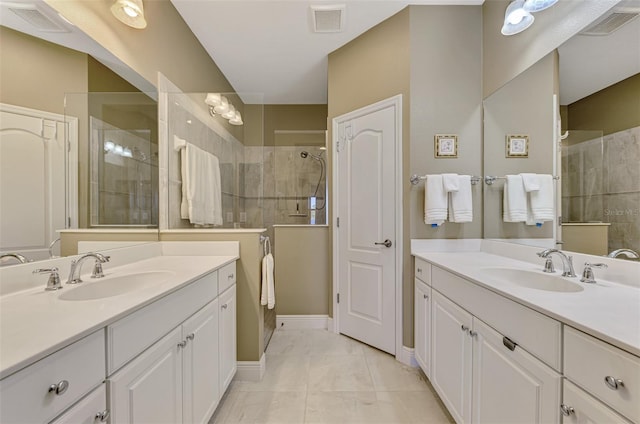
(602, 183)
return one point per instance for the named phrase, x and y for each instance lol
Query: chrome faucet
(567, 261)
(97, 268)
(20, 258)
(631, 254)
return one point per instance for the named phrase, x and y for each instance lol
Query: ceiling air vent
(35, 17)
(612, 22)
(328, 18)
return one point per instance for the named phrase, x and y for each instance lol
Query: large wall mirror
(591, 87)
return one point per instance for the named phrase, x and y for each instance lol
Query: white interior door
(366, 236)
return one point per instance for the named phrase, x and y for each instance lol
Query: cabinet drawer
(226, 277)
(589, 361)
(86, 411)
(131, 335)
(423, 270)
(585, 408)
(25, 396)
(533, 331)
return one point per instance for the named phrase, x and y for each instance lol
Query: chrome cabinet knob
(613, 383)
(191, 336)
(567, 410)
(473, 333)
(224, 306)
(464, 328)
(182, 344)
(230, 277)
(59, 388)
(425, 296)
(103, 416)
(419, 270)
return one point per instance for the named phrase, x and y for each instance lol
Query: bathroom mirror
(599, 86)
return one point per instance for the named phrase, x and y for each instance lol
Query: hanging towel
(542, 201)
(531, 182)
(450, 182)
(514, 200)
(268, 295)
(435, 200)
(201, 189)
(461, 202)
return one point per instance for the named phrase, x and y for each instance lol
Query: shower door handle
(386, 243)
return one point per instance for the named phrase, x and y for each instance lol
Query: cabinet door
(451, 356)
(149, 388)
(422, 326)
(90, 410)
(200, 365)
(227, 337)
(510, 386)
(578, 407)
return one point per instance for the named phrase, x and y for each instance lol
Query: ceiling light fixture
(516, 18)
(533, 6)
(130, 12)
(220, 105)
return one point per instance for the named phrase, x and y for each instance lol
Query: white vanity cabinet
(578, 407)
(228, 362)
(422, 314)
(481, 375)
(92, 409)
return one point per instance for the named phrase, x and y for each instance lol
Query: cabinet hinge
(338, 296)
(338, 222)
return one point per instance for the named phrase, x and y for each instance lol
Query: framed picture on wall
(517, 146)
(445, 146)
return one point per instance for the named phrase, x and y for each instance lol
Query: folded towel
(514, 200)
(268, 295)
(461, 202)
(435, 200)
(542, 201)
(531, 182)
(450, 182)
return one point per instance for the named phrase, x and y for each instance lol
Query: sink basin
(532, 279)
(114, 286)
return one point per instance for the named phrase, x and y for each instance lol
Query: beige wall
(523, 106)
(612, 109)
(249, 313)
(302, 272)
(69, 240)
(293, 117)
(506, 57)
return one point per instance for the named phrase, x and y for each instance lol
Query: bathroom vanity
(501, 341)
(164, 349)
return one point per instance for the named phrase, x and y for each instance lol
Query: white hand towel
(268, 295)
(450, 182)
(435, 201)
(542, 201)
(531, 182)
(461, 202)
(514, 200)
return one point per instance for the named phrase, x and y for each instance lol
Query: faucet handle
(97, 269)
(548, 266)
(53, 283)
(587, 273)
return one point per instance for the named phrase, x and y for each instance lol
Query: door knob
(386, 243)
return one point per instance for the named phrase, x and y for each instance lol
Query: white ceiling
(267, 49)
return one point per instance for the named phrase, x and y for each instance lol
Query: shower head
(304, 155)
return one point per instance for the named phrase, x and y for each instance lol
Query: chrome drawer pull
(613, 383)
(103, 416)
(59, 388)
(567, 410)
(509, 344)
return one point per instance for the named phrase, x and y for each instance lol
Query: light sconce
(130, 12)
(516, 18)
(533, 6)
(220, 105)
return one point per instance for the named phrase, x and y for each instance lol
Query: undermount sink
(532, 279)
(114, 286)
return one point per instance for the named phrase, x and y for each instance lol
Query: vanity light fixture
(129, 12)
(220, 105)
(538, 5)
(516, 18)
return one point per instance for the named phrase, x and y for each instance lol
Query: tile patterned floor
(314, 376)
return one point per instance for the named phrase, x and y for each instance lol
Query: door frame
(396, 103)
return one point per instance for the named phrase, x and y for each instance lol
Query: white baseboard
(301, 322)
(407, 356)
(331, 325)
(251, 370)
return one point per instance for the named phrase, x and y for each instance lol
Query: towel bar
(415, 179)
(490, 179)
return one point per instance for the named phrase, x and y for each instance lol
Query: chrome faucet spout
(631, 254)
(567, 261)
(17, 256)
(77, 265)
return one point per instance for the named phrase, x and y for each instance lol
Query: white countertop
(35, 323)
(606, 310)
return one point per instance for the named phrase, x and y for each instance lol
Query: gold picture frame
(517, 146)
(445, 146)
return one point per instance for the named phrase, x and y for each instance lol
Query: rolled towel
(461, 201)
(514, 200)
(531, 182)
(435, 201)
(450, 182)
